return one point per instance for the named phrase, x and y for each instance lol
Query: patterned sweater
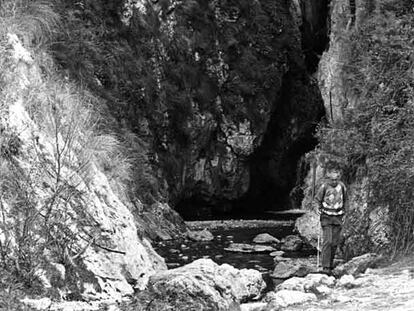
(330, 198)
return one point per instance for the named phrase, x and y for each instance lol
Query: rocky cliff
(219, 93)
(367, 103)
(64, 225)
(337, 97)
(111, 110)
(236, 104)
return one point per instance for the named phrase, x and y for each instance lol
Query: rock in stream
(249, 248)
(217, 285)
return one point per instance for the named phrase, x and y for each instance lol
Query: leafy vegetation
(35, 22)
(155, 300)
(170, 65)
(52, 139)
(144, 78)
(11, 292)
(376, 137)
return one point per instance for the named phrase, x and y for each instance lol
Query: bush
(35, 22)
(95, 49)
(162, 301)
(11, 292)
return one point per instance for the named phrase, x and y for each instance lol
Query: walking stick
(313, 178)
(318, 250)
(313, 196)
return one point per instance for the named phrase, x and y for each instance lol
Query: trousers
(331, 234)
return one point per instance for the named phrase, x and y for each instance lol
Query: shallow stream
(180, 252)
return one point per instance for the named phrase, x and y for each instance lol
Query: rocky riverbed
(243, 244)
(390, 287)
(212, 284)
(386, 287)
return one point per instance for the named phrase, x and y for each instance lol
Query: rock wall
(236, 105)
(333, 87)
(56, 209)
(364, 226)
(315, 24)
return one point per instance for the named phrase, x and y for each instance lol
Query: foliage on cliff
(179, 74)
(52, 144)
(376, 137)
(177, 79)
(209, 49)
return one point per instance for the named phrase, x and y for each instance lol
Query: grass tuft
(35, 22)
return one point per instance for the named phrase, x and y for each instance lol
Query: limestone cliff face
(364, 226)
(58, 208)
(335, 98)
(236, 102)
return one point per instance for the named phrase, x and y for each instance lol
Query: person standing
(330, 200)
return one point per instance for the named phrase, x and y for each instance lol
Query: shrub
(11, 292)
(34, 21)
(96, 50)
(162, 301)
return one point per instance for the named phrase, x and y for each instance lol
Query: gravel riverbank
(232, 224)
(387, 288)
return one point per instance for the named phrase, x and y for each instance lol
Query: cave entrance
(278, 166)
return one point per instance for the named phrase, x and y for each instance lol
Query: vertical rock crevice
(278, 167)
(315, 30)
(276, 176)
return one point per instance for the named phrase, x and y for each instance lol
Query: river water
(180, 252)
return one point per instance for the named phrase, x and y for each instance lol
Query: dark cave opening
(278, 167)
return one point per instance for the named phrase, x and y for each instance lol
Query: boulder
(358, 264)
(341, 299)
(253, 306)
(216, 285)
(249, 248)
(277, 259)
(84, 306)
(323, 290)
(347, 281)
(160, 222)
(277, 254)
(308, 283)
(308, 226)
(37, 304)
(265, 238)
(200, 236)
(291, 243)
(284, 298)
(172, 265)
(287, 269)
